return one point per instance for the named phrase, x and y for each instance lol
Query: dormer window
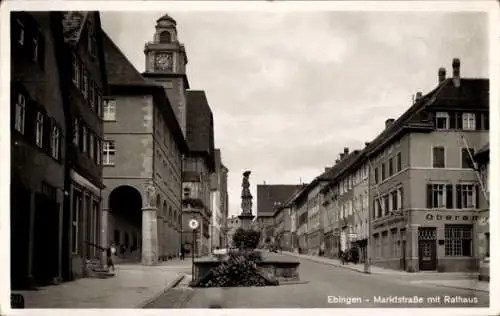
(469, 121)
(165, 37)
(442, 120)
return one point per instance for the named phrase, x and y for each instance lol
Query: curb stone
(332, 264)
(172, 284)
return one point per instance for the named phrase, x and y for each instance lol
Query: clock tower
(166, 65)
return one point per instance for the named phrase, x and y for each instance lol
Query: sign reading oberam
(439, 217)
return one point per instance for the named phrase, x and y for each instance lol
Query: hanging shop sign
(439, 217)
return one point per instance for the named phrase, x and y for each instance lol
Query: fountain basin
(273, 267)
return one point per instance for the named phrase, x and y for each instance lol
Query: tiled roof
(471, 93)
(268, 194)
(119, 69)
(73, 22)
(200, 128)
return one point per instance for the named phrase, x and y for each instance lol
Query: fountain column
(246, 216)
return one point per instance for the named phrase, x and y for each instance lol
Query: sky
(290, 90)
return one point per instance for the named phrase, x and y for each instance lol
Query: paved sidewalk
(393, 273)
(131, 287)
(473, 285)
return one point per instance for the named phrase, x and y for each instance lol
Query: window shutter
(453, 120)
(429, 195)
(459, 196)
(30, 119)
(477, 196)
(479, 121)
(459, 120)
(449, 196)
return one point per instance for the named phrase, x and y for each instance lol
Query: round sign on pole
(193, 224)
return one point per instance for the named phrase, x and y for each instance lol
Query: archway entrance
(125, 222)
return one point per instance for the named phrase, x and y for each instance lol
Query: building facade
(224, 204)
(218, 197)
(269, 198)
(88, 85)
(38, 152)
(233, 223)
(198, 165)
(142, 158)
(423, 188)
(482, 159)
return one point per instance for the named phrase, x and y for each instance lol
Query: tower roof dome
(166, 17)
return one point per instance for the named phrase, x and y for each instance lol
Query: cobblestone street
(344, 288)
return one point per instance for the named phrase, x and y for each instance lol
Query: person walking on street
(110, 253)
(183, 252)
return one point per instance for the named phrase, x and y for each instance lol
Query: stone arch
(125, 225)
(158, 201)
(165, 37)
(164, 209)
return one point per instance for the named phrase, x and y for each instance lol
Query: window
(20, 113)
(98, 152)
(467, 162)
(395, 246)
(468, 121)
(84, 138)
(76, 71)
(398, 162)
(436, 196)
(20, 35)
(39, 129)
(400, 198)
(438, 157)
(109, 152)
(85, 84)
(76, 131)
(110, 110)
(55, 142)
(391, 167)
(385, 244)
(35, 49)
(375, 172)
(91, 146)
(382, 169)
(442, 120)
(394, 200)
(92, 97)
(165, 37)
(467, 196)
(487, 241)
(386, 205)
(486, 121)
(458, 240)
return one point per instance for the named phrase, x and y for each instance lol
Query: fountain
(245, 266)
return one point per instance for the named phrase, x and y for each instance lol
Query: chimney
(456, 72)
(389, 122)
(337, 161)
(327, 169)
(367, 144)
(346, 151)
(441, 74)
(418, 96)
(342, 156)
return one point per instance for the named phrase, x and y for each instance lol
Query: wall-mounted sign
(439, 217)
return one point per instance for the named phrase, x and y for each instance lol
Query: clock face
(164, 61)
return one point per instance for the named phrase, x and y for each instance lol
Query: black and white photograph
(250, 155)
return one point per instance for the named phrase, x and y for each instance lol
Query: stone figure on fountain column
(246, 196)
